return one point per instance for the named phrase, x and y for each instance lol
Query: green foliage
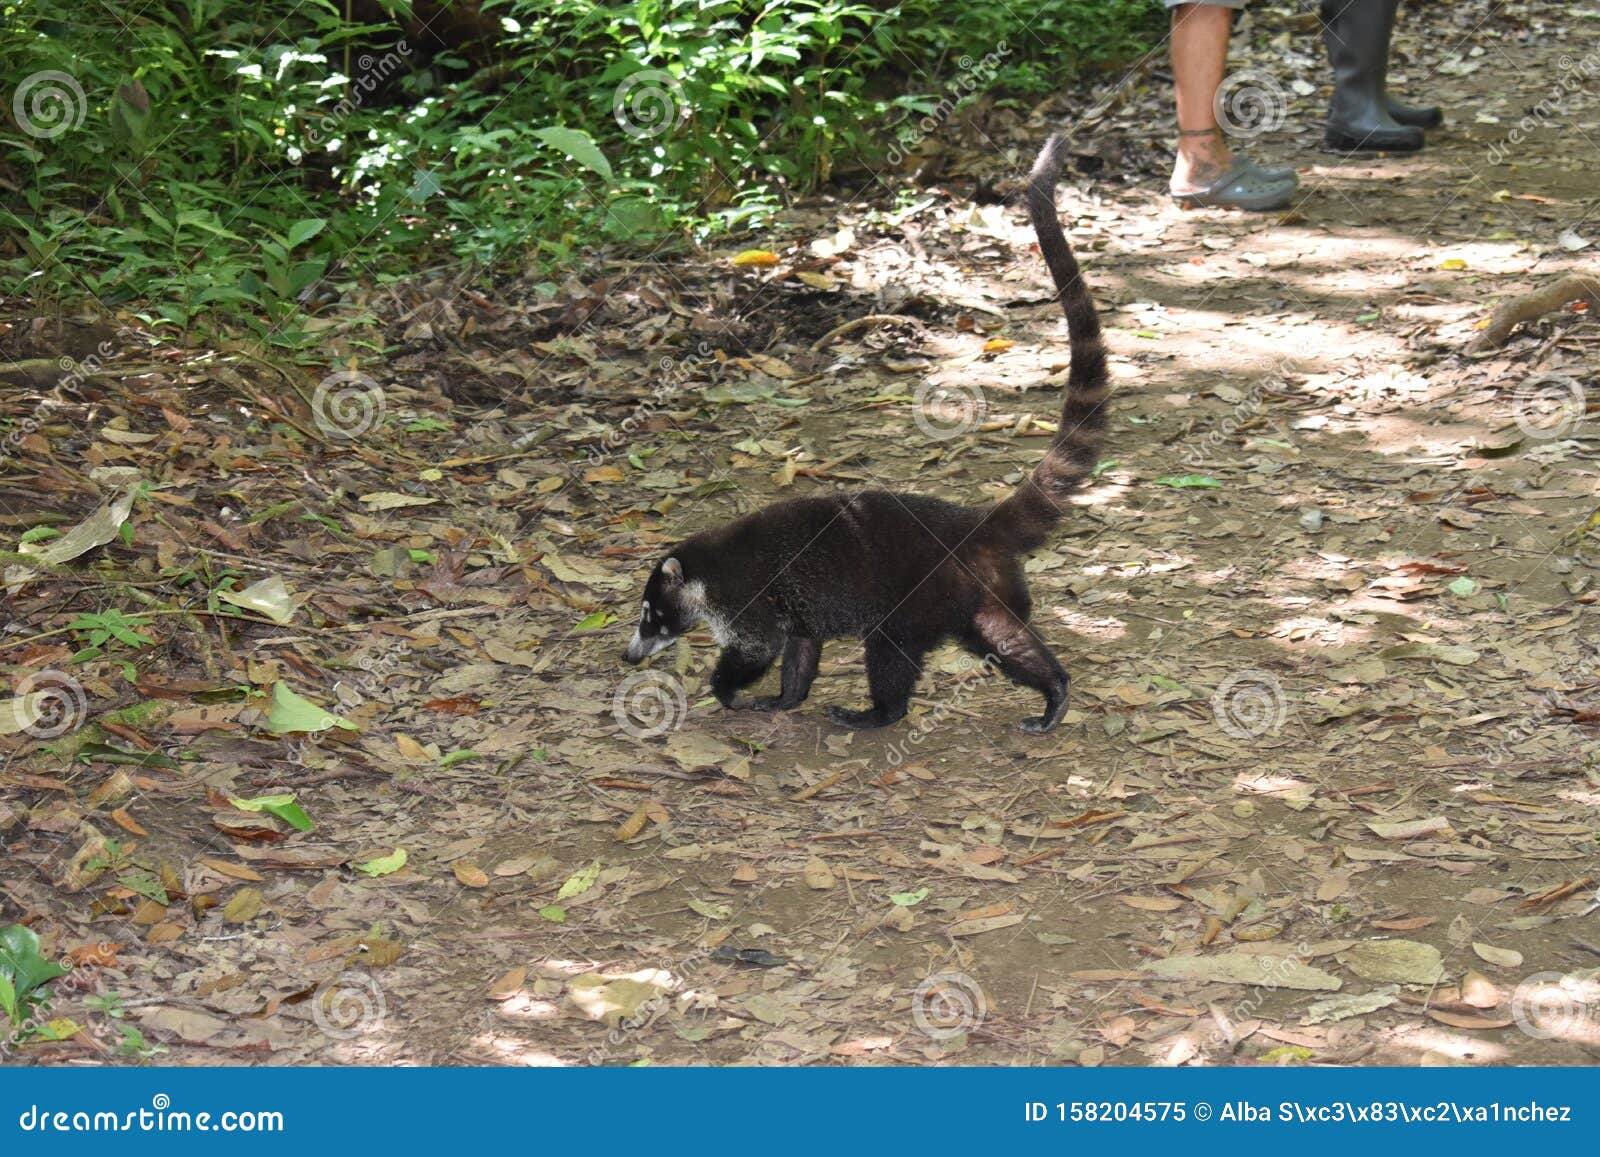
(239, 163)
(23, 973)
(100, 628)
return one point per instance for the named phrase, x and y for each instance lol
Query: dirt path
(1327, 792)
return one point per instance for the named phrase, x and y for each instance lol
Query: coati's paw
(1038, 725)
(771, 703)
(871, 717)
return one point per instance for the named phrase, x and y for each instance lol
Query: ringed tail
(1027, 516)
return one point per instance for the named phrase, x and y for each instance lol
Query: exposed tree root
(1512, 313)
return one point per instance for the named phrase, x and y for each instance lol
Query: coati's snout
(639, 648)
(662, 616)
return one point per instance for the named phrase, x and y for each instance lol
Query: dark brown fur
(900, 571)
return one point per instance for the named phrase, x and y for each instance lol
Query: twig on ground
(871, 320)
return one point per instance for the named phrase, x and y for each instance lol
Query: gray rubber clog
(1245, 186)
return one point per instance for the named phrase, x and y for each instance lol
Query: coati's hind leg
(800, 658)
(892, 672)
(739, 666)
(1000, 636)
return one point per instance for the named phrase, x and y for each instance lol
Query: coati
(900, 571)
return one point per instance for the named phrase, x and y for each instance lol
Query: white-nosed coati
(900, 571)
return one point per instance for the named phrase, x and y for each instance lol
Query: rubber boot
(1423, 116)
(1356, 33)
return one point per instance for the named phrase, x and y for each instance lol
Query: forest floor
(1327, 792)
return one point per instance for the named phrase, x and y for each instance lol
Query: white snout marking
(641, 648)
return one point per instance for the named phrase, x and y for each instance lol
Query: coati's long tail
(1025, 518)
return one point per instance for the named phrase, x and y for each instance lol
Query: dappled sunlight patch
(565, 967)
(1590, 799)
(1090, 626)
(1264, 783)
(1393, 434)
(1424, 1045)
(510, 1051)
(1312, 628)
(1321, 567)
(524, 1006)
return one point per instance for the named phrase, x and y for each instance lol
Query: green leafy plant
(225, 170)
(101, 628)
(24, 972)
(133, 1044)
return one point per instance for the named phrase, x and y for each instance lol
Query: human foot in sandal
(1208, 173)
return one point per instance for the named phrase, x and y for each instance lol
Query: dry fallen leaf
(818, 875)
(509, 984)
(245, 906)
(1502, 957)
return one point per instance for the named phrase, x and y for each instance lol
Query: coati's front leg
(1004, 639)
(892, 672)
(739, 666)
(800, 658)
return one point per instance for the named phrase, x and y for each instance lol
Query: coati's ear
(672, 569)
